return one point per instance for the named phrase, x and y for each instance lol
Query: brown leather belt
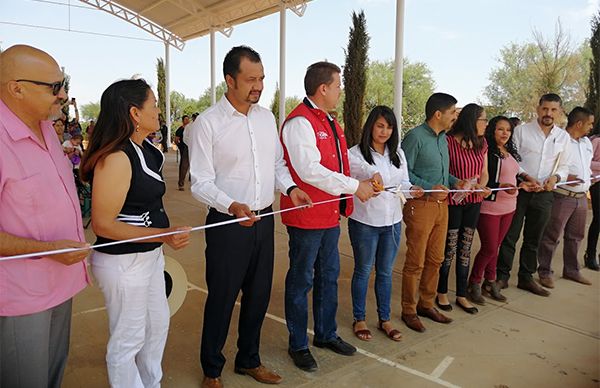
(428, 198)
(568, 193)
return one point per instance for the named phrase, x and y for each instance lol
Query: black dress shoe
(470, 310)
(303, 360)
(338, 345)
(445, 307)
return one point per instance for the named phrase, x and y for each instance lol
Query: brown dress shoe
(433, 314)
(578, 278)
(210, 382)
(260, 374)
(531, 286)
(547, 281)
(502, 284)
(413, 322)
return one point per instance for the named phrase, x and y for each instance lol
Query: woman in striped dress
(467, 149)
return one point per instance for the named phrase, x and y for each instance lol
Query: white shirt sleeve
(565, 161)
(301, 143)
(283, 178)
(359, 168)
(202, 169)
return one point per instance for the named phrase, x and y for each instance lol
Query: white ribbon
(242, 219)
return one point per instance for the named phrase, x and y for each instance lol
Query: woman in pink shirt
(590, 254)
(497, 210)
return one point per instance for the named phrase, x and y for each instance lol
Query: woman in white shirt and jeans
(374, 226)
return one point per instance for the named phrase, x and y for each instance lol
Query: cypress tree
(355, 77)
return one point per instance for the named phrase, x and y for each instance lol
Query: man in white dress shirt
(236, 166)
(570, 207)
(544, 150)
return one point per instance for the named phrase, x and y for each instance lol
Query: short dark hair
(578, 113)
(550, 97)
(438, 101)
(319, 73)
(515, 121)
(231, 63)
(184, 117)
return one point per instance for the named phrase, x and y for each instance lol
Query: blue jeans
(373, 245)
(314, 262)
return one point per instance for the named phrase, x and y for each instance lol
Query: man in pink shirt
(39, 211)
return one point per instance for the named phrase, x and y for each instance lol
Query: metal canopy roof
(175, 21)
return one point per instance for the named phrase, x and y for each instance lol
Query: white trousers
(134, 291)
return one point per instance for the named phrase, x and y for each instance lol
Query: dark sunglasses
(56, 86)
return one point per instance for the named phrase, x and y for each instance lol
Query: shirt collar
(314, 106)
(229, 109)
(15, 127)
(553, 131)
(385, 151)
(428, 128)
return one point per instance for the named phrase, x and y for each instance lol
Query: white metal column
(399, 61)
(213, 64)
(167, 94)
(282, 63)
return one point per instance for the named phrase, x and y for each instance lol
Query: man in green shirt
(426, 218)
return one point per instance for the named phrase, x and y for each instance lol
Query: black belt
(268, 209)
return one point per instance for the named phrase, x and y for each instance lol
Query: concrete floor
(528, 342)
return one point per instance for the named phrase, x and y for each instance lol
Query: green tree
(417, 86)
(90, 111)
(161, 87)
(204, 101)
(534, 68)
(355, 77)
(290, 103)
(593, 93)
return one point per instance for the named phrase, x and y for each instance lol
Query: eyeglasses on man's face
(56, 86)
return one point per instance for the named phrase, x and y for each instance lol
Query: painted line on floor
(440, 369)
(90, 311)
(432, 377)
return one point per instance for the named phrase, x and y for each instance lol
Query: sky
(459, 40)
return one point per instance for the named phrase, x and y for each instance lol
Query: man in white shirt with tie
(570, 207)
(544, 150)
(236, 166)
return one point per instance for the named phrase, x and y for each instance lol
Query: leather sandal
(361, 334)
(394, 334)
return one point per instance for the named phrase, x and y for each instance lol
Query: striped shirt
(466, 163)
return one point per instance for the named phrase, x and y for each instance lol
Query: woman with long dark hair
(590, 259)
(497, 210)
(125, 171)
(467, 149)
(374, 226)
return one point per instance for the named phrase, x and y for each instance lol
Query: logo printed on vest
(322, 135)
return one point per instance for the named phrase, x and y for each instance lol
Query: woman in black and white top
(127, 190)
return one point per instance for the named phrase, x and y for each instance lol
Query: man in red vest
(316, 153)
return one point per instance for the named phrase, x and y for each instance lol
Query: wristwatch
(290, 189)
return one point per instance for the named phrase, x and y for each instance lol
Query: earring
(137, 127)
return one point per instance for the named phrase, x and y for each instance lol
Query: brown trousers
(426, 227)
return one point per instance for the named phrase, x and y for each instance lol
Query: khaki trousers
(426, 227)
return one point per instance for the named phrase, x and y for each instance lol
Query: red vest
(326, 215)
